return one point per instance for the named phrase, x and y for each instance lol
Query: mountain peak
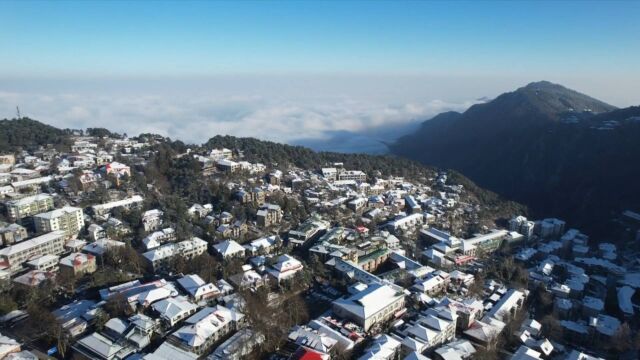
(543, 84)
(551, 100)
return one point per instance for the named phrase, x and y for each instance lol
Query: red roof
(306, 354)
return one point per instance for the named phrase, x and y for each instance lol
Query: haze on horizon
(331, 75)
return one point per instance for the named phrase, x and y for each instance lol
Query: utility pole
(18, 113)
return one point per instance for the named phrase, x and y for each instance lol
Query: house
(12, 233)
(285, 268)
(307, 230)
(174, 309)
(33, 278)
(238, 346)
(308, 338)
(269, 215)
(157, 238)
(433, 328)
(459, 349)
(406, 223)
(203, 329)
(152, 220)
(117, 169)
(227, 166)
(357, 204)
(197, 288)
(99, 347)
(484, 332)
(235, 230)
(255, 195)
(353, 175)
(200, 211)
(76, 264)
(507, 306)
(384, 347)
(222, 153)
(47, 263)
(96, 232)
(432, 284)
(229, 249)
(99, 247)
(374, 305)
(264, 245)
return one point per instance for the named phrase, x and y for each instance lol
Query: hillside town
(107, 255)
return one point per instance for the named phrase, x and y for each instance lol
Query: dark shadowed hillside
(560, 152)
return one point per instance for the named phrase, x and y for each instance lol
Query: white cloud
(196, 117)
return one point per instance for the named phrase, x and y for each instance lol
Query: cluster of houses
(398, 280)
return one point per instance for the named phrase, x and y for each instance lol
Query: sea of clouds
(323, 121)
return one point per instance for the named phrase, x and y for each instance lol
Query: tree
(44, 325)
(622, 340)
(124, 258)
(117, 306)
(552, 328)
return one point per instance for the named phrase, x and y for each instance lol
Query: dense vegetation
(27, 133)
(272, 153)
(522, 147)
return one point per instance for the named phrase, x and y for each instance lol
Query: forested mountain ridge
(557, 151)
(28, 133)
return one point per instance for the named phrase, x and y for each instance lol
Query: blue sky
(255, 68)
(180, 38)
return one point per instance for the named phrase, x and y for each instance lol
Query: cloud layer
(195, 118)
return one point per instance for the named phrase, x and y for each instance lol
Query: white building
(12, 257)
(373, 305)
(197, 288)
(159, 257)
(152, 220)
(205, 328)
(285, 268)
(229, 249)
(69, 219)
(128, 203)
(28, 206)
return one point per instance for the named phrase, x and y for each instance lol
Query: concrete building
(374, 305)
(269, 215)
(12, 233)
(69, 219)
(77, 264)
(12, 257)
(28, 206)
(128, 203)
(188, 249)
(152, 220)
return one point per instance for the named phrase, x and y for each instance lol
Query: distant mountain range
(560, 152)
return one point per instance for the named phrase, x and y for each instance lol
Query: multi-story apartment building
(128, 203)
(70, 219)
(28, 206)
(12, 257)
(355, 175)
(158, 258)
